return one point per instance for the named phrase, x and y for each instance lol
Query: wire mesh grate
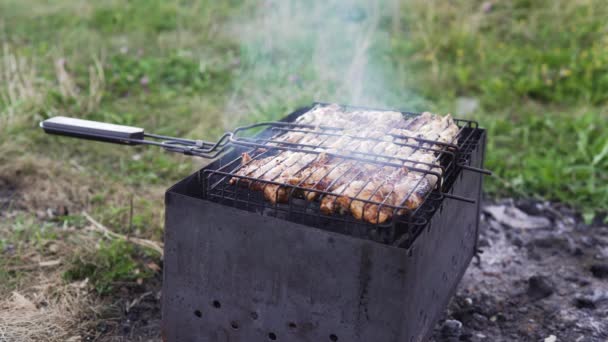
(303, 202)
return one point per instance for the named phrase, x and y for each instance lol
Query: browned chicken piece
(272, 165)
(279, 194)
(366, 188)
(371, 192)
(357, 195)
(252, 169)
(409, 191)
(330, 176)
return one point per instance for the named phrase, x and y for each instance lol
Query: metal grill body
(237, 269)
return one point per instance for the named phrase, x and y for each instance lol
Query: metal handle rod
(128, 135)
(475, 169)
(459, 198)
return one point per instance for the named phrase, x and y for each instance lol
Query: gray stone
(451, 328)
(515, 218)
(550, 338)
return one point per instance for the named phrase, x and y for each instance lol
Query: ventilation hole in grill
(234, 325)
(254, 315)
(272, 336)
(198, 313)
(292, 325)
(333, 337)
(217, 304)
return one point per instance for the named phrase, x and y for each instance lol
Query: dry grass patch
(48, 311)
(54, 277)
(51, 188)
(21, 88)
(36, 304)
(42, 184)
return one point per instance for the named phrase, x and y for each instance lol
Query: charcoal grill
(239, 268)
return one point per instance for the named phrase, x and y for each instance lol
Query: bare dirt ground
(135, 315)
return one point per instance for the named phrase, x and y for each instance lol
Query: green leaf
(600, 156)
(588, 216)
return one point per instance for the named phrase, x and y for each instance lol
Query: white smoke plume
(296, 52)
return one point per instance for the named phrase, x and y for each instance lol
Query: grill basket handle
(93, 130)
(128, 135)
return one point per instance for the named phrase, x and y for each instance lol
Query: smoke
(296, 52)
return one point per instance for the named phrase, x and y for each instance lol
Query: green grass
(26, 240)
(552, 155)
(114, 262)
(539, 70)
(552, 52)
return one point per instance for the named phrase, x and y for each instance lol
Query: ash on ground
(542, 276)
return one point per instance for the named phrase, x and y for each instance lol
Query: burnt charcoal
(451, 328)
(599, 270)
(539, 287)
(504, 317)
(517, 241)
(550, 241)
(466, 336)
(479, 321)
(530, 207)
(577, 280)
(483, 242)
(584, 302)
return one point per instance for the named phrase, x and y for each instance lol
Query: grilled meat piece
(276, 193)
(371, 163)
